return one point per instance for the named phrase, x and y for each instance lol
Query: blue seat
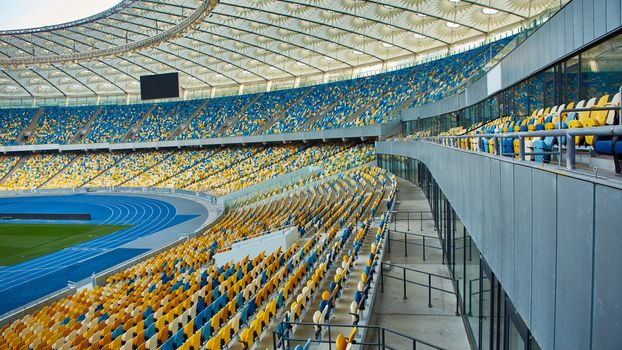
(541, 146)
(178, 339)
(206, 332)
(117, 332)
(611, 146)
(151, 331)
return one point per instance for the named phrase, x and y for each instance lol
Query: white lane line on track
(155, 224)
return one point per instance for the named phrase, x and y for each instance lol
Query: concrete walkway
(412, 316)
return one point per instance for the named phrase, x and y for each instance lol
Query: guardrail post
(405, 244)
(570, 152)
(429, 290)
(388, 241)
(408, 220)
(404, 274)
(381, 279)
(457, 297)
(383, 338)
(470, 295)
(495, 150)
(521, 147)
(274, 340)
(420, 221)
(330, 339)
(423, 248)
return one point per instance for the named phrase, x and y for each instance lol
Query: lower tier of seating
(217, 171)
(180, 299)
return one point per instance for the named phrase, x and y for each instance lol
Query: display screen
(159, 86)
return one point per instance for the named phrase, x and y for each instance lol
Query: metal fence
(381, 338)
(564, 136)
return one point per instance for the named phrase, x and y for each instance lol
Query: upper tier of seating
(12, 121)
(539, 148)
(113, 123)
(362, 101)
(60, 124)
(179, 299)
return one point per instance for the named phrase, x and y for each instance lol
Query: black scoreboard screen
(159, 86)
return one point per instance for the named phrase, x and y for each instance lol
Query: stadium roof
(220, 45)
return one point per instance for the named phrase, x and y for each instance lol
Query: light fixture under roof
(418, 36)
(489, 11)
(421, 15)
(452, 25)
(273, 68)
(301, 64)
(387, 45)
(326, 58)
(246, 72)
(454, 1)
(357, 52)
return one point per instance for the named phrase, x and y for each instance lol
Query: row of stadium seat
(362, 101)
(179, 299)
(216, 171)
(550, 118)
(12, 121)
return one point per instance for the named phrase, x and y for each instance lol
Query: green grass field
(22, 242)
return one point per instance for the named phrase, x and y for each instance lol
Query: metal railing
(410, 216)
(34, 305)
(423, 244)
(384, 338)
(429, 285)
(562, 134)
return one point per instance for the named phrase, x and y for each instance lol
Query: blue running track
(33, 279)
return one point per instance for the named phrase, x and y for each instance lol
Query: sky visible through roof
(21, 14)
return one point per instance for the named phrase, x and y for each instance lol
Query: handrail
(281, 336)
(610, 130)
(395, 217)
(19, 312)
(428, 285)
(423, 245)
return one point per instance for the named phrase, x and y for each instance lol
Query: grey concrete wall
(579, 23)
(553, 239)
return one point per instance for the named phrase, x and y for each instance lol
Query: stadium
(311, 174)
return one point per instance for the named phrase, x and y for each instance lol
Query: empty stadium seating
(114, 121)
(215, 171)
(178, 299)
(12, 121)
(539, 148)
(60, 124)
(348, 103)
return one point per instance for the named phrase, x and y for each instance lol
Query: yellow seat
(341, 343)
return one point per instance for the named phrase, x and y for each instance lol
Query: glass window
(601, 69)
(473, 285)
(571, 80)
(486, 309)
